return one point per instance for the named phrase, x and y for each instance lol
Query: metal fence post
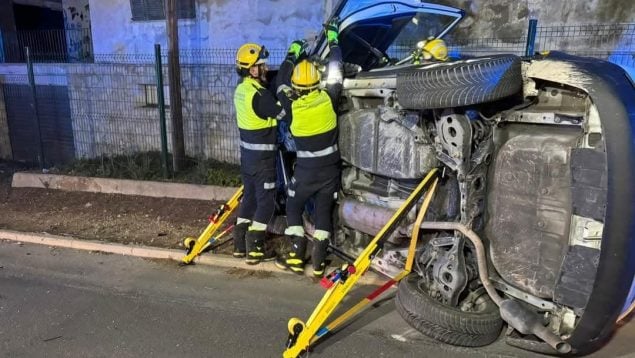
(531, 37)
(29, 67)
(161, 104)
(2, 59)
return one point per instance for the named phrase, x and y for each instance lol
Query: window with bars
(145, 10)
(151, 98)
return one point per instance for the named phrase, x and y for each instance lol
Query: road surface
(66, 303)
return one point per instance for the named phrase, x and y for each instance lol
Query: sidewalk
(218, 260)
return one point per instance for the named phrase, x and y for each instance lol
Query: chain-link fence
(109, 108)
(614, 42)
(109, 113)
(64, 45)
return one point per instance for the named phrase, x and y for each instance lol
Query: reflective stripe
(256, 226)
(282, 88)
(335, 195)
(320, 153)
(335, 76)
(321, 235)
(268, 186)
(296, 230)
(281, 114)
(261, 147)
(242, 221)
(291, 193)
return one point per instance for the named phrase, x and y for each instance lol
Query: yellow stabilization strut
(379, 291)
(215, 222)
(301, 334)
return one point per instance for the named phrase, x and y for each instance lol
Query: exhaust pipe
(365, 217)
(517, 316)
(527, 322)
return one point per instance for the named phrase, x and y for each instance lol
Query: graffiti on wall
(78, 33)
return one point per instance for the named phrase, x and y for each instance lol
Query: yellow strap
(336, 293)
(411, 253)
(417, 226)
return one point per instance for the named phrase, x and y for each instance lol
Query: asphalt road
(65, 303)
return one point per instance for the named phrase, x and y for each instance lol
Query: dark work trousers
(321, 183)
(259, 195)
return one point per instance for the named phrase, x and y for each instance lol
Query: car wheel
(460, 83)
(475, 328)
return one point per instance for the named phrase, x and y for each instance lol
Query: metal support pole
(2, 55)
(161, 104)
(174, 74)
(531, 37)
(29, 67)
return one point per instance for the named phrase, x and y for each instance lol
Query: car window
(419, 27)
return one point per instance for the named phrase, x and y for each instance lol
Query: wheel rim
(481, 301)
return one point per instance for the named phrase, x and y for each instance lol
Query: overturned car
(534, 220)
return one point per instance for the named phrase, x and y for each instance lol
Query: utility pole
(174, 75)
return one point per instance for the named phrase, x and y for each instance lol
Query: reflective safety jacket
(257, 134)
(314, 129)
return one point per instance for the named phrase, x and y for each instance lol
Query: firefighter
(430, 49)
(313, 125)
(257, 113)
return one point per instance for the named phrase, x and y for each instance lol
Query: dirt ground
(136, 220)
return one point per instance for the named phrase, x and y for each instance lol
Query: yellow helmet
(434, 49)
(250, 54)
(305, 76)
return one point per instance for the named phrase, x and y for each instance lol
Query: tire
(443, 323)
(460, 83)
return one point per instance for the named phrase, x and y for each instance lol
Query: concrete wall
(76, 14)
(494, 26)
(218, 24)
(110, 115)
(77, 24)
(508, 19)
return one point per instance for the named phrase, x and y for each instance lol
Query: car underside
(532, 222)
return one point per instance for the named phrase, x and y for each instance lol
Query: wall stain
(616, 11)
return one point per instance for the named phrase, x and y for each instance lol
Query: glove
(290, 93)
(297, 48)
(332, 30)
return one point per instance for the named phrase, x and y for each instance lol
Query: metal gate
(49, 128)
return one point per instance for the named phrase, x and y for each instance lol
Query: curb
(370, 278)
(122, 186)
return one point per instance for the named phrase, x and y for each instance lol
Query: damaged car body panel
(538, 161)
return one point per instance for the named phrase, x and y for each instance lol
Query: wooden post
(174, 75)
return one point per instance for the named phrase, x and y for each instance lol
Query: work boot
(319, 256)
(255, 242)
(294, 259)
(239, 239)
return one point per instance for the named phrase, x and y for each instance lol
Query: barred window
(145, 10)
(150, 94)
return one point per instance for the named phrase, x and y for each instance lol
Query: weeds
(147, 166)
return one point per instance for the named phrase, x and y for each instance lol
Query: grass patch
(147, 166)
